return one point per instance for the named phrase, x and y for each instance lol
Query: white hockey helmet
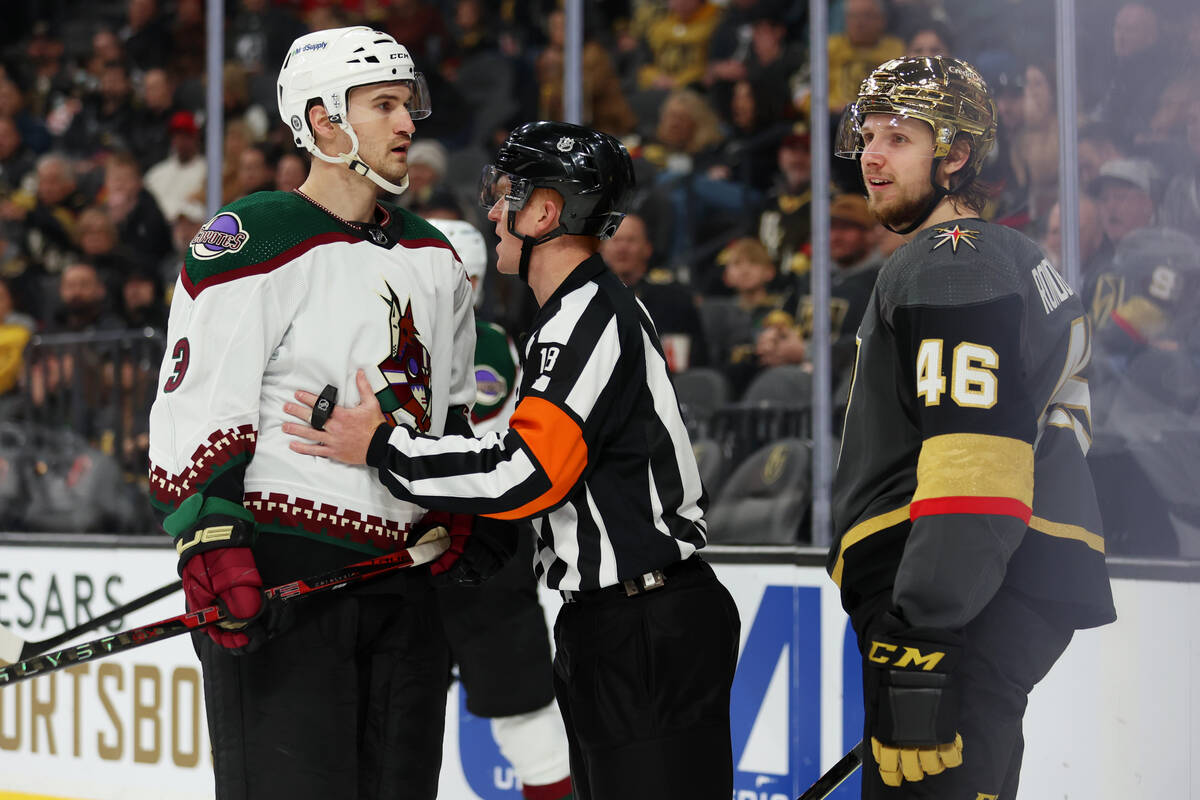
(468, 242)
(326, 65)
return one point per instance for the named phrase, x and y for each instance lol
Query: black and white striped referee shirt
(596, 453)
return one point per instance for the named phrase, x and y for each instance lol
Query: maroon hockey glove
(458, 526)
(911, 698)
(213, 538)
(479, 547)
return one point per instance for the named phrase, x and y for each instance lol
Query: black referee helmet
(591, 170)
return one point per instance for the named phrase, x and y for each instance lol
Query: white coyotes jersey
(276, 295)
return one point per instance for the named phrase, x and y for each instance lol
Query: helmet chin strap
(528, 243)
(935, 198)
(355, 164)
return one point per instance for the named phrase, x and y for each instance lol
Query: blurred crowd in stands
(103, 177)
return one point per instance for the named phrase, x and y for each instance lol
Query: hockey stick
(13, 648)
(834, 776)
(348, 575)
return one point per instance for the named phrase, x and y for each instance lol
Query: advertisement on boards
(1114, 719)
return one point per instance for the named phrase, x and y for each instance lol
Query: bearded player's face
(896, 159)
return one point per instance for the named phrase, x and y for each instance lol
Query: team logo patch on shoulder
(220, 235)
(954, 236)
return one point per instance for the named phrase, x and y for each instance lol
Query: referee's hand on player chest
(345, 432)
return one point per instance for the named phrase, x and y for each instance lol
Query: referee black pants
(1010, 646)
(643, 684)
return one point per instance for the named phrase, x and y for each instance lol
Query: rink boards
(1118, 717)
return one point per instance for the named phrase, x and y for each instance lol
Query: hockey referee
(596, 455)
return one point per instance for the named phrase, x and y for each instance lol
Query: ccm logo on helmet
(884, 653)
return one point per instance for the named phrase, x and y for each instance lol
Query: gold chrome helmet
(947, 93)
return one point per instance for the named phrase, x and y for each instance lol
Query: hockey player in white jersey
(347, 698)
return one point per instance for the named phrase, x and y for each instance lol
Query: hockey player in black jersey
(967, 540)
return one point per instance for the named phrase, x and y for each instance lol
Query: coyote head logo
(406, 368)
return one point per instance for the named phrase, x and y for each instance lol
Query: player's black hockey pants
(350, 702)
(1010, 646)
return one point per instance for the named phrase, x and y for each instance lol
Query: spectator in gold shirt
(853, 54)
(678, 44)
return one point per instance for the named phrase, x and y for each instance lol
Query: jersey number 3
(972, 381)
(181, 355)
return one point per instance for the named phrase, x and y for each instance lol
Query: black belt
(642, 584)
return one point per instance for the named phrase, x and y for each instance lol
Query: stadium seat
(713, 463)
(765, 500)
(701, 391)
(784, 385)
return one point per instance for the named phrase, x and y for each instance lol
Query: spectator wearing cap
(1125, 189)
(1006, 79)
(427, 165)
(784, 225)
(179, 178)
(853, 235)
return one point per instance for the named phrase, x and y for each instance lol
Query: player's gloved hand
(912, 698)
(479, 547)
(213, 538)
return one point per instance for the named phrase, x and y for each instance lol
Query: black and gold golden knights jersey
(962, 460)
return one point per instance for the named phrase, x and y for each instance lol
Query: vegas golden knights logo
(1107, 297)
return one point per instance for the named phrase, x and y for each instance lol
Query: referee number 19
(972, 380)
